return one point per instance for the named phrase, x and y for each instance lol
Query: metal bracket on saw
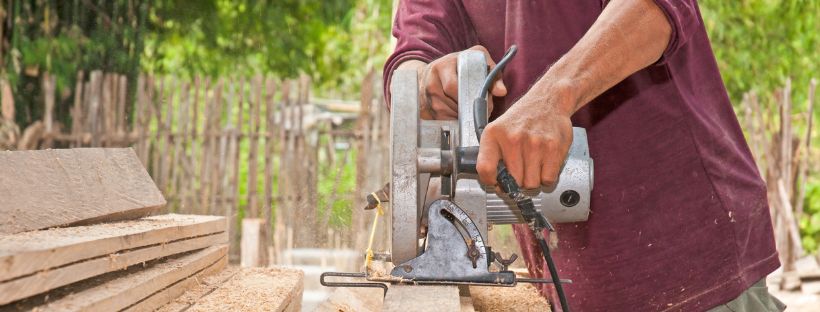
(456, 252)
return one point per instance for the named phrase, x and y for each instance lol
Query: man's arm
(534, 135)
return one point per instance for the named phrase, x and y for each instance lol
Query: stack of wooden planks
(133, 265)
(74, 235)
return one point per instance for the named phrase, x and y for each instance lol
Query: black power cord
(536, 221)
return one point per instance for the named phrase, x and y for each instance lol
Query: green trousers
(755, 299)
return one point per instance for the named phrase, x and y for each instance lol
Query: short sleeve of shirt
(684, 19)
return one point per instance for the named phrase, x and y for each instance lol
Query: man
(679, 217)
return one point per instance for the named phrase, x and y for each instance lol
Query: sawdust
(522, 297)
(253, 289)
(378, 270)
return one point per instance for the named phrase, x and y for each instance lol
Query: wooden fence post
(252, 246)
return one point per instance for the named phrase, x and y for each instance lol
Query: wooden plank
(122, 89)
(256, 289)
(146, 289)
(93, 96)
(48, 112)
(140, 115)
(195, 143)
(6, 101)
(205, 164)
(77, 110)
(238, 152)
(48, 188)
(270, 151)
(352, 299)
(180, 172)
(50, 127)
(168, 139)
(228, 188)
(220, 177)
(217, 162)
(43, 281)
(252, 246)
(205, 287)
(167, 295)
(410, 298)
(31, 252)
(282, 200)
(253, 206)
(156, 105)
(106, 107)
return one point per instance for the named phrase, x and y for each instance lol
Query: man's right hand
(438, 85)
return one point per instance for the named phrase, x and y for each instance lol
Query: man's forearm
(628, 36)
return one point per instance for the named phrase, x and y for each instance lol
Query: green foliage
(760, 43)
(334, 42)
(330, 41)
(810, 221)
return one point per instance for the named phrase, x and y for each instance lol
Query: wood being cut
(145, 289)
(415, 298)
(30, 252)
(29, 285)
(49, 188)
(245, 289)
(522, 297)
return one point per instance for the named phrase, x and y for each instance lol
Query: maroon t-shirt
(679, 218)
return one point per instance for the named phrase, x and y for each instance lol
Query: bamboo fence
(239, 147)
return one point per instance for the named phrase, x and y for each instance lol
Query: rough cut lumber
(146, 289)
(26, 253)
(415, 298)
(49, 188)
(167, 295)
(205, 286)
(247, 289)
(43, 281)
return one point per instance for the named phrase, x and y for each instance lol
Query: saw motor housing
(427, 163)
